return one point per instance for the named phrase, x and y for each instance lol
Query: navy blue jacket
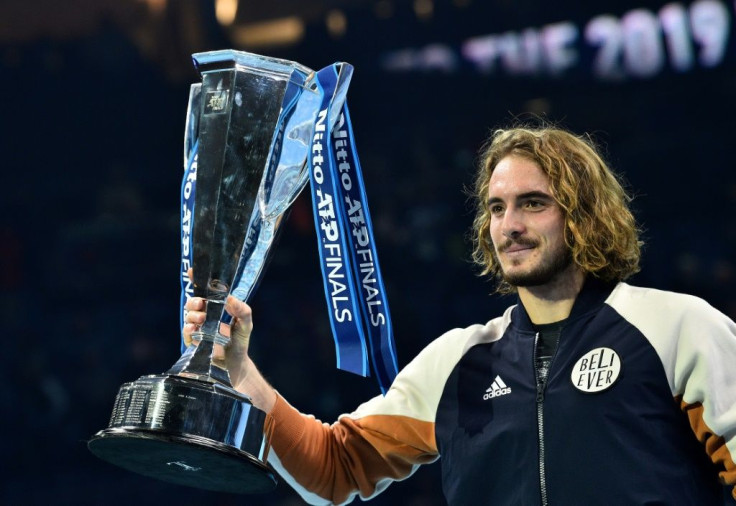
(630, 444)
(639, 409)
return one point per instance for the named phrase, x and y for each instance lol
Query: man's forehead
(515, 175)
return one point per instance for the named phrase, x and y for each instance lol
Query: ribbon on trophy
(356, 298)
(188, 189)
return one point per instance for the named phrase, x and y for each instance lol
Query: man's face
(527, 224)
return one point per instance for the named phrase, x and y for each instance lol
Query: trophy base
(189, 432)
(183, 460)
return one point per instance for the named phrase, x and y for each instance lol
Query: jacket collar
(593, 294)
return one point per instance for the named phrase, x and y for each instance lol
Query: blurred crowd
(89, 238)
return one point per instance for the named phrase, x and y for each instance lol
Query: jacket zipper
(540, 426)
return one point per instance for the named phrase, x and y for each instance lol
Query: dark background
(93, 106)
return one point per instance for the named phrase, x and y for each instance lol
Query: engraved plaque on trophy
(252, 118)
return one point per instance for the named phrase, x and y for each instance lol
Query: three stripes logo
(497, 388)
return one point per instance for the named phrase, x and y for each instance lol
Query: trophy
(250, 125)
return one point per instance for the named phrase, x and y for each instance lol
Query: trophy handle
(298, 139)
(290, 171)
(272, 213)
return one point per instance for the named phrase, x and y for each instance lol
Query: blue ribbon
(363, 255)
(358, 308)
(188, 190)
(337, 275)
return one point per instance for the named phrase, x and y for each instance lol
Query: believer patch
(597, 370)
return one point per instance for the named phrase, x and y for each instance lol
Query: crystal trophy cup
(252, 119)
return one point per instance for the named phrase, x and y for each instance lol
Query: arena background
(93, 106)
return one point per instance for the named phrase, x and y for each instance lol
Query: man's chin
(525, 282)
(529, 273)
(527, 279)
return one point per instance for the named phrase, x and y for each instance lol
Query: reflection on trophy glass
(249, 127)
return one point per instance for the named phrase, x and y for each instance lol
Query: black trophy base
(184, 459)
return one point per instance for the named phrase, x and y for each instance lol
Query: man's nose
(513, 226)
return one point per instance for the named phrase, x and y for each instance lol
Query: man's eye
(532, 204)
(496, 209)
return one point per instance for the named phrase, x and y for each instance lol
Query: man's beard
(549, 267)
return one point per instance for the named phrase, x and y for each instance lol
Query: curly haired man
(586, 391)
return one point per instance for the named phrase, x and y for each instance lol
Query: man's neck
(552, 302)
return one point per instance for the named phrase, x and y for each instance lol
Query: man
(588, 391)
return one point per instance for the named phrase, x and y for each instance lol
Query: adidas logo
(498, 387)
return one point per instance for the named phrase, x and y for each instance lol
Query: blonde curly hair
(600, 230)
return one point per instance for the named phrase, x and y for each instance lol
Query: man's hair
(600, 230)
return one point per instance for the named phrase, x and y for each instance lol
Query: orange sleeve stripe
(715, 446)
(335, 461)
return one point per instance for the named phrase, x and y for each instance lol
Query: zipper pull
(540, 383)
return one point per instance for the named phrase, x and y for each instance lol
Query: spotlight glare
(225, 11)
(423, 8)
(275, 32)
(336, 23)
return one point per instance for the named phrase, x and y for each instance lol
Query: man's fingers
(238, 309)
(194, 304)
(186, 332)
(242, 322)
(194, 317)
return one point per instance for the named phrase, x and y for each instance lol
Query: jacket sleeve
(705, 384)
(384, 440)
(697, 346)
(330, 464)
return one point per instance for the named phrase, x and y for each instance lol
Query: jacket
(639, 408)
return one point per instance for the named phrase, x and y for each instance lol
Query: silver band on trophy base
(253, 120)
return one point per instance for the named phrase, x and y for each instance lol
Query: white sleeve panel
(417, 389)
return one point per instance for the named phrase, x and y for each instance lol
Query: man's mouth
(516, 249)
(517, 246)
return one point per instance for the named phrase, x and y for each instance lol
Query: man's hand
(244, 375)
(237, 361)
